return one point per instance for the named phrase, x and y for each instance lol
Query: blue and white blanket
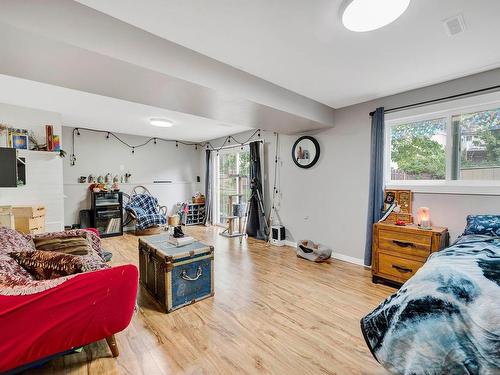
(446, 318)
(146, 211)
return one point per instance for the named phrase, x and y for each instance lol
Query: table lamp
(424, 218)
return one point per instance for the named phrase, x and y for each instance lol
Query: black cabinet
(107, 213)
(13, 168)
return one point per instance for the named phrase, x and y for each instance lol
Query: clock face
(305, 152)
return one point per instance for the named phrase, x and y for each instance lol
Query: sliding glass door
(233, 167)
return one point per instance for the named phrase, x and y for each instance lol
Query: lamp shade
(424, 218)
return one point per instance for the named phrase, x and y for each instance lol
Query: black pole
(439, 99)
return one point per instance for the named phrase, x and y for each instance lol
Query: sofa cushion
(10, 241)
(74, 245)
(44, 265)
(94, 241)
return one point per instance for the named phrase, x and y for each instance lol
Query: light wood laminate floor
(272, 314)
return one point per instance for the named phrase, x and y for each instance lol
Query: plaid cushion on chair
(145, 208)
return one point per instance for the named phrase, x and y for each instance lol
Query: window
(478, 139)
(418, 150)
(233, 179)
(454, 147)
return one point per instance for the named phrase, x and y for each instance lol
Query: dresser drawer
(29, 225)
(29, 211)
(36, 225)
(399, 268)
(405, 243)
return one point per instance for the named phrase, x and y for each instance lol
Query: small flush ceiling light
(161, 122)
(368, 15)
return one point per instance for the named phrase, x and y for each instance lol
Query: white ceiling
(81, 109)
(302, 46)
(69, 45)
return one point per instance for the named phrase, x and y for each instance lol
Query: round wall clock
(305, 152)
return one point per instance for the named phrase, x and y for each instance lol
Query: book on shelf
(49, 133)
(118, 223)
(113, 225)
(108, 227)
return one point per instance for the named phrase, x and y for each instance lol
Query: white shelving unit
(30, 154)
(195, 214)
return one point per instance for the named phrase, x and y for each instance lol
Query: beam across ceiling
(66, 44)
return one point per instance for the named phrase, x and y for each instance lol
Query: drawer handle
(185, 276)
(402, 269)
(403, 244)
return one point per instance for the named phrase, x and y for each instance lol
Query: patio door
(233, 170)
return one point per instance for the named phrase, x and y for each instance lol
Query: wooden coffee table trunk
(176, 276)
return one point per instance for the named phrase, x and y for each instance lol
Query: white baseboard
(345, 258)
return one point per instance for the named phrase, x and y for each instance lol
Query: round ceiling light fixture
(161, 122)
(368, 15)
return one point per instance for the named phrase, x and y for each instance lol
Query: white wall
(450, 210)
(328, 203)
(97, 155)
(44, 172)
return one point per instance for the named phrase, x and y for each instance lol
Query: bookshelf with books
(107, 213)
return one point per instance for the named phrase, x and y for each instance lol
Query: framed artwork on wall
(305, 152)
(18, 138)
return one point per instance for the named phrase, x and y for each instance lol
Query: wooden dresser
(399, 251)
(29, 219)
(7, 217)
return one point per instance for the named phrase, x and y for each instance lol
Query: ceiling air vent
(454, 25)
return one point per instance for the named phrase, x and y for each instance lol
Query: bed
(446, 318)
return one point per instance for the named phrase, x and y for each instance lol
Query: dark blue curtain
(376, 187)
(256, 225)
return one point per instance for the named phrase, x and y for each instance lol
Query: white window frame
(436, 111)
(228, 150)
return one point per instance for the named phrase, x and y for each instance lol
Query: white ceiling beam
(71, 45)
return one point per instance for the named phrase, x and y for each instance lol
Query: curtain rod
(445, 98)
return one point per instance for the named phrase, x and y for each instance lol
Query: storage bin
(176, 276)
(29, 219)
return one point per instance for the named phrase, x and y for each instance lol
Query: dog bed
(312, 251)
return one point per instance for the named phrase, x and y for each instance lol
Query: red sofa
(81, 309)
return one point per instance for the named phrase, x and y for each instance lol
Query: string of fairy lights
(229, 141)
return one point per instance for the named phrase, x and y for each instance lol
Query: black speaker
(278, 235)
(85, 219)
